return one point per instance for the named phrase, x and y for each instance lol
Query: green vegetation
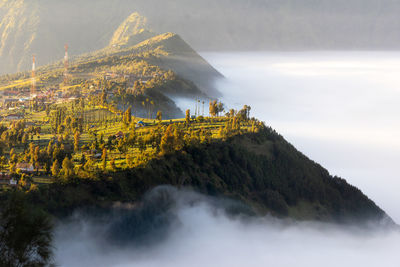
(121, 157)
(85, 153)
(232, 156)
(251, 163)
(25, 233)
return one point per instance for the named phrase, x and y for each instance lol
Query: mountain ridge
(132, 31)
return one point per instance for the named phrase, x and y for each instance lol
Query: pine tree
(104, 159)
(127, 118)
(129, 161)
(112, 165)
(67, 168)
(26, 233)
(76, 141)
(167, 141)
(55, 169)
(159, 116)
(213, 108)
(187, 118)
(178, 139)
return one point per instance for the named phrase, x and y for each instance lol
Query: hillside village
(41, 148)
(102, 113)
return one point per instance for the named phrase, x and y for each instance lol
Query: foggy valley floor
(202, 233)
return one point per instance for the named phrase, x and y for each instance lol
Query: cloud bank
(194, 230)
(339, 108)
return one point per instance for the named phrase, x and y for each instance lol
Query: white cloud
(345, 117)
(204, 235)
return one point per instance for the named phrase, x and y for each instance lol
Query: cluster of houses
(7, 179)
(12, 99)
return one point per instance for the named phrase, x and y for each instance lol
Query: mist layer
(202, 232)
(339, 108)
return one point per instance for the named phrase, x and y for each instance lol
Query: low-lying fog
(340, 109)
(198, 231)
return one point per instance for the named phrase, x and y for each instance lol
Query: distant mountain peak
(133, 30)
(169, 43)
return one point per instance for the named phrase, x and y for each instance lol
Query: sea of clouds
(339, 108)
(195, 230)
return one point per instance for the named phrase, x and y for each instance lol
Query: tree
(187, 118)
(3, 162)
(221, 133)
(24, 139)
(159, 115)
(103, 98)
(55, 169)
(89, 165)
(216, 108)
(129, 161)
(121, 146)
(76, 141)
(213, 108)
(50, 148)
(25, 233)
(132, 137)
(67, 168)
(244, 113)
(104, 159)
(36, 163)
(178, 139)
(220, 108)
(248, 108)
(167, 141)
(83, 160)
(13, 167)
(141, 144)
(127, 117)
(112, 165)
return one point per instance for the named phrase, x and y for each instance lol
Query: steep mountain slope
(167, 51)
(178, 56)
(43, 27)
(18, 31)
(260, 169)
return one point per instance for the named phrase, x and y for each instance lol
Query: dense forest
(260, 169)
